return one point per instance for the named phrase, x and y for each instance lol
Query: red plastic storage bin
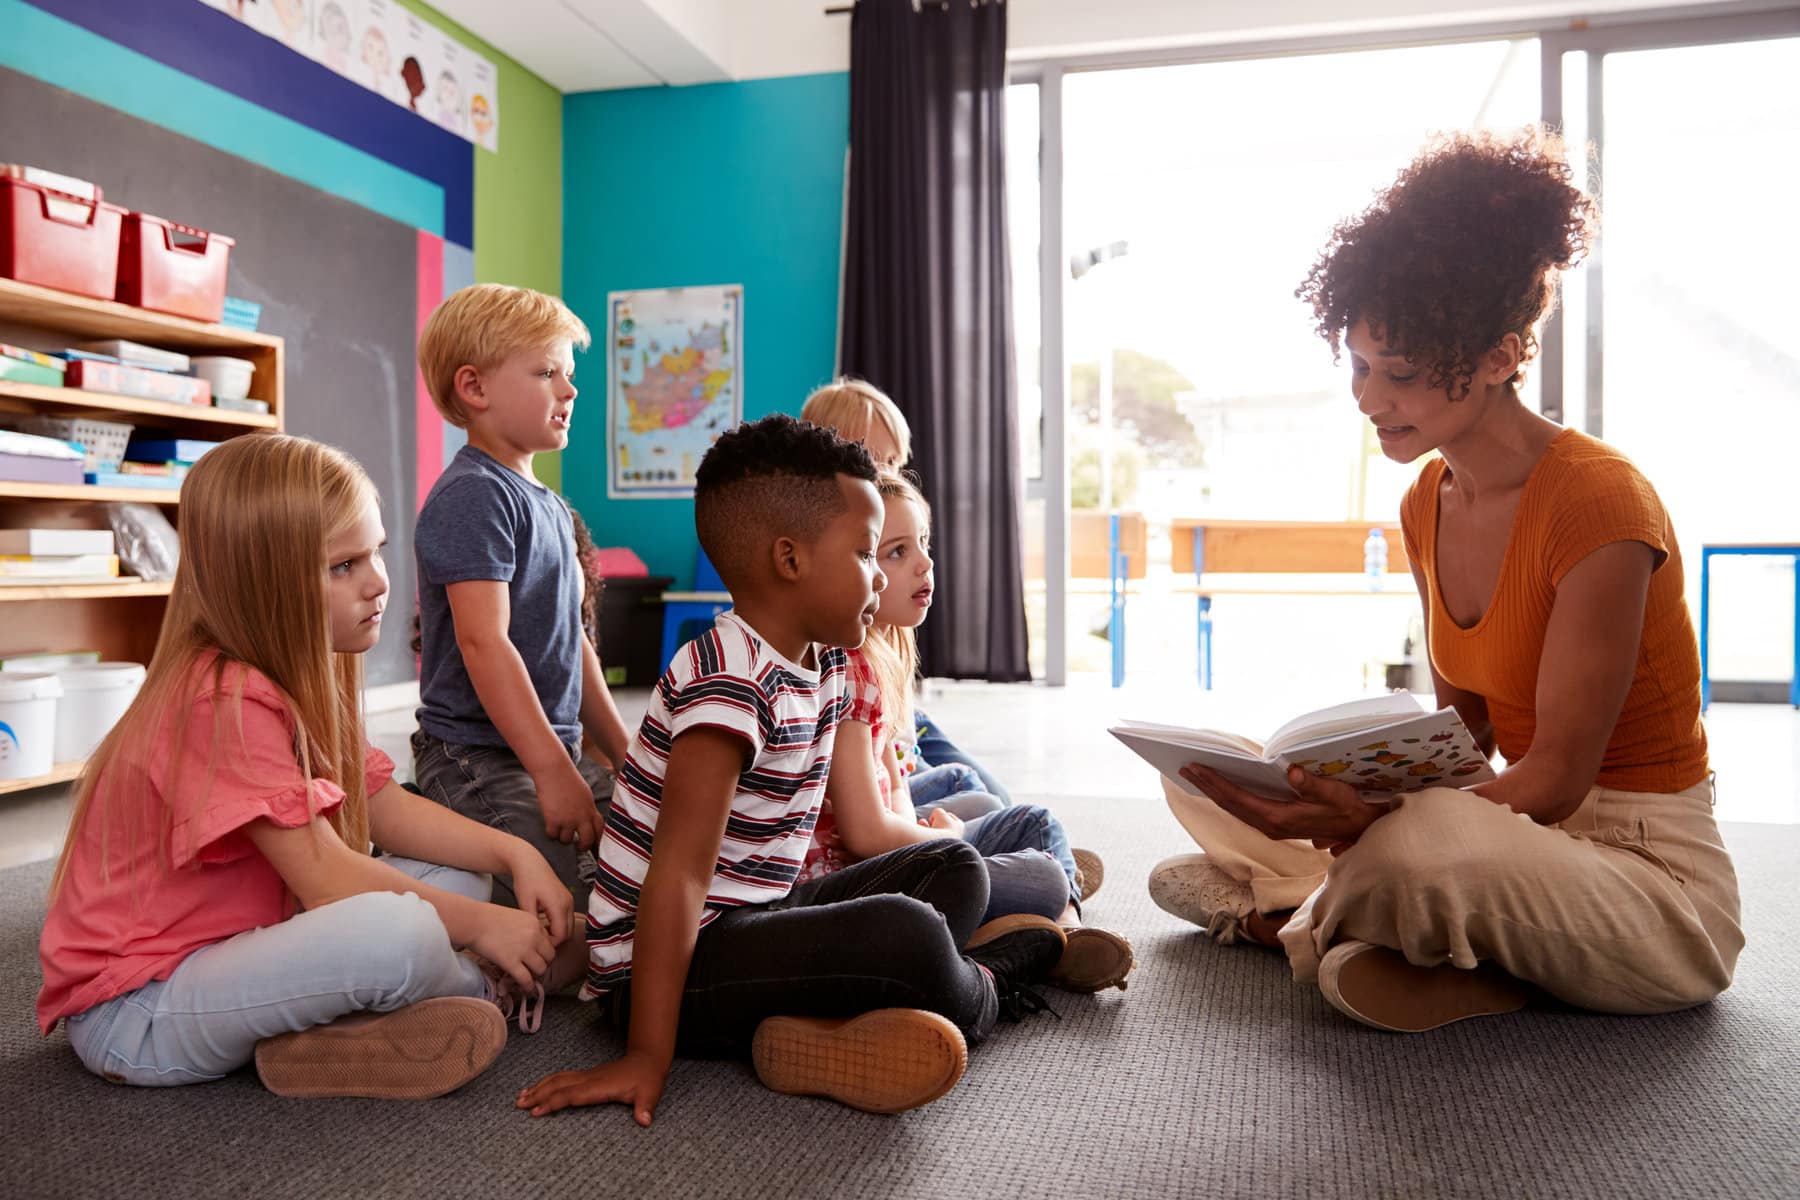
(173, 268)
(57, 240)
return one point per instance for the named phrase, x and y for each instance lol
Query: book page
(1170, 756)
(1369, 713)
(1427, 750)
(1231, 743)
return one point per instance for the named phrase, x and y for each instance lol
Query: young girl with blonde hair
(869, 810)
(238, 788)
(861, 412)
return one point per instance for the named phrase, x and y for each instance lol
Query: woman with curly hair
(1590, 868)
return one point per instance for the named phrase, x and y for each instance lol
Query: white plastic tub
(230, 377)
(28, 707)
(95, 696)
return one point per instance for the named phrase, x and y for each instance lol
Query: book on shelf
(48, 361)
(121, 479)
(37, 567)
(155, 470)
(46, 542)
(1381, 746)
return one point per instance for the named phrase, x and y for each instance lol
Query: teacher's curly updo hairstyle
(1462, 249)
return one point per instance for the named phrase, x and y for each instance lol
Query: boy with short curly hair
(853, 986)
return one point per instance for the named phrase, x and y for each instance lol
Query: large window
(1193, 199)
(1700, 325)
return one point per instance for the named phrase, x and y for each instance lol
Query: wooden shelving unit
(61, 773)
(120, 619)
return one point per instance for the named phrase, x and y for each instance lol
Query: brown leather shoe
(1093, 960)
(1377, 986)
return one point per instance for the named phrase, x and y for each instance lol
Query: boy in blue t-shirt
(508, 681)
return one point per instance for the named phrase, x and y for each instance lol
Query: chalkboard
(335, 280)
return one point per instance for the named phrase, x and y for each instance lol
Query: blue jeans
(938, 750)
(1030, 869)
(490, 785)
(372, 952)
(953, 787)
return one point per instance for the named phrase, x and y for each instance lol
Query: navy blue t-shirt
(486, 521)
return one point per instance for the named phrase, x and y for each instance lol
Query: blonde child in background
(861, 412)
(508, 682)
(869, 810)
(238, 788)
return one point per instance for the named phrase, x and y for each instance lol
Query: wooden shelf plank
(75, 399)
(83, 591)
(88, 319)
(87, 493)
(61, 773)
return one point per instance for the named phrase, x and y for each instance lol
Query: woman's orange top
(1582, 495)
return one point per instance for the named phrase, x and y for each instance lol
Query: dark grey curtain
(928, 302)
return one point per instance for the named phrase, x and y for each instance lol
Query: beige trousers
(1628, 906)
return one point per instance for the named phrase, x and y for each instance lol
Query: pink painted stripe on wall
(428, 426)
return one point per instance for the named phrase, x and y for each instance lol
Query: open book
(1381, 746)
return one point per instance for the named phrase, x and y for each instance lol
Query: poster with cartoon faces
(332, 39)
(388, 49)
(288, 21)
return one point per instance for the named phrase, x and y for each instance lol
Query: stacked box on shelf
(241, 314)
(119, 379)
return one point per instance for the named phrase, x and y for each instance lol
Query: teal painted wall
(682, 187)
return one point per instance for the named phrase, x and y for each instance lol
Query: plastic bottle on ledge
(1375, 559)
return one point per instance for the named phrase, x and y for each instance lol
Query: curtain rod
(844, 9)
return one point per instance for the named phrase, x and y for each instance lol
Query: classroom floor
(1052, 742)
(1213, 1074)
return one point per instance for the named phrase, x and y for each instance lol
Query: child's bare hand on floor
(633, 1080)
(568, 806)
(516, 942)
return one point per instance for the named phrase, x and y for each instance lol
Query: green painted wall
(518, 191)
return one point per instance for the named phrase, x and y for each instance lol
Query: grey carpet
(1214, 1075)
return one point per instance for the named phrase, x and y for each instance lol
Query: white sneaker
(1189, 886)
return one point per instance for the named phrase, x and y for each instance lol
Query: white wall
(795, 37)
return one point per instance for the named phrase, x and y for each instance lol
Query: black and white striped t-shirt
(726, 679)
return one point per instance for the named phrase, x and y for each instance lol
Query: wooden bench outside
(1274, 548)
(1111, 548)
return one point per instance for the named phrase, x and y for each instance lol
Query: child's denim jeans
(373, 952)
(490, 785)
(1020, 842)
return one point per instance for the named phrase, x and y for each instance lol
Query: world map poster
(675, 382)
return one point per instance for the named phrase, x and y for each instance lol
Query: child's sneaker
(1377, 986)
(1090, 873)
(1015, 952)
(1192, 888)
(413, 1053)
(504, 993)
(1093, 960)
(885, 1061)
